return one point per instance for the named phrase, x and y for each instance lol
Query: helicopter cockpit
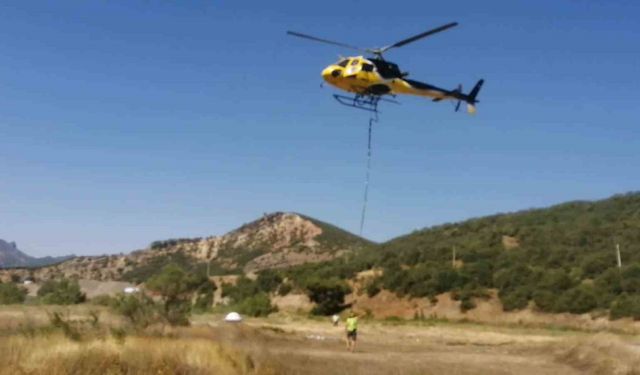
(343, 63)
(386, 69)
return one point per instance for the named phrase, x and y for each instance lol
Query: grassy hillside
(288, 238)
(562, 257)
(556, 259)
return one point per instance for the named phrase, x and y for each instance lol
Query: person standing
(352, 331)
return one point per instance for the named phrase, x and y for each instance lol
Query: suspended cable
(372, 119)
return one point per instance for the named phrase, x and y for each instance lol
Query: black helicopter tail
(470, 98)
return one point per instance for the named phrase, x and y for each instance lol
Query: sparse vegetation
(143, 272)
(10, 293)
(177, 288)
(251, 297)
(61, 292)
(256, 305)
(139, 310)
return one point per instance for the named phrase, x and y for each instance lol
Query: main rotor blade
(420, 36)
(325, 41)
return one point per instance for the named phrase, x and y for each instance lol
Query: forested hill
(562, 258)
(556, 259)
(567, 235)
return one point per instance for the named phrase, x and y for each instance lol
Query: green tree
(625, 306)
(61, 292)
(545, 300)
(11, 294)
(138, 309)
(515, 299)
(630, 280)
(268, 280)
(578, 300)
(328, 296)
(176, 288)
(256, 305)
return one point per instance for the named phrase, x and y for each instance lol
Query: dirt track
(317, 348)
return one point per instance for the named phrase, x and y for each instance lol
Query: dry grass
(602, 354)
(73, 343)
(33, 343)
(56, 355)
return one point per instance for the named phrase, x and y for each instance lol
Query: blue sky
(124, 122)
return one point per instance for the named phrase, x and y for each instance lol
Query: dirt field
(290, 344)
(316, 347)
(311, 347)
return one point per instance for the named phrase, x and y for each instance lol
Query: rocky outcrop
(275, 240)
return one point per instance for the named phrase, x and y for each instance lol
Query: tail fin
(471, 97)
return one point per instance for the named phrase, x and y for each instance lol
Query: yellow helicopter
(369, 79)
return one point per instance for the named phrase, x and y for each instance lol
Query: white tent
(233, 317)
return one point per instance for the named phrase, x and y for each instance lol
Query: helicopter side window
(343, 63)
(367, 67)
(354, 62)
(387, 70)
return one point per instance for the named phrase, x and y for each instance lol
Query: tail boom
(438, 94)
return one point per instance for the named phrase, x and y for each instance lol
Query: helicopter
(372, 78)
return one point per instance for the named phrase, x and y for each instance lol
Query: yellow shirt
(352, 324)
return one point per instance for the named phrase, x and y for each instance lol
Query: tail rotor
(458, 90)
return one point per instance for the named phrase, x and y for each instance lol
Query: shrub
(138, 309)
(630, 281)
(285, 288)
(545, 300)
(257, 305)
(480, 272)
(512, 278)
(268, 280)
(595, 264)
(144, 271)
(244, 288)
(203, 302)
(555, 280)
(373, 288)
(514, 299)
(11, 294)
(61, 292)
(68, 328)
(102, 300)
(467, 304)
(625, 306)
(467, 294)
(578, 300)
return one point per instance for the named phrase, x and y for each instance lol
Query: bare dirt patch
(308, 347)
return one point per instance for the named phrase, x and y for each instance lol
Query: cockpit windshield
(343, 63)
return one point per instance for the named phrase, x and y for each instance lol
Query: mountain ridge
(11, 256)
(276, 240)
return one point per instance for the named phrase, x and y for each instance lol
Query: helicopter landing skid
(364, 102)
